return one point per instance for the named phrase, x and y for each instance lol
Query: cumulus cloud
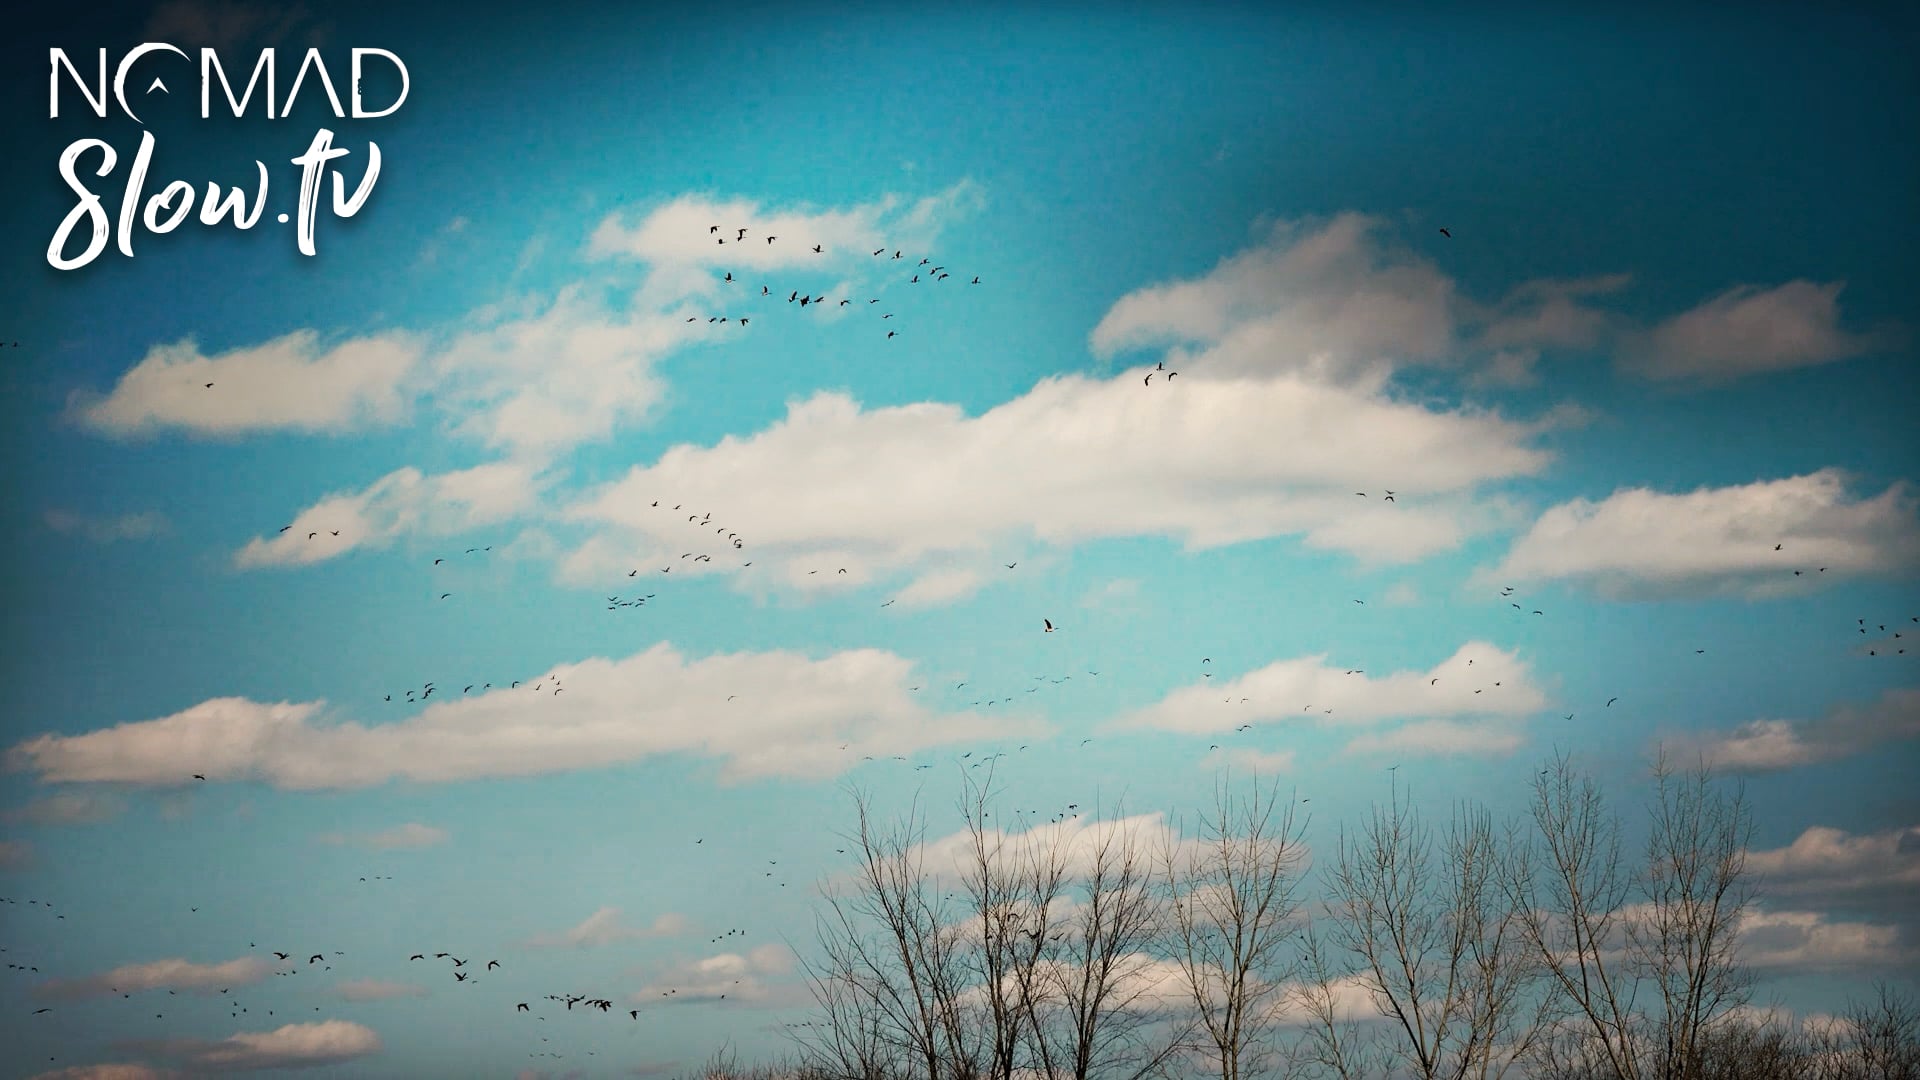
(1830, 866)
(1076, 841)
(69, 808)
(1488, 737)
(106, 530)
(173, 974)
(1640, 544)
(1463, 712)
(408, 836)
(1338, 300)
(605, 927)
(1211, 462)
(1847, 729)
(789, 717)
(292, 383)
(507, 388)
(377, 990)
(405, 502)
(750, 977)
(1549, 314)
(939, 587)
(1749, 330)
(1247, 759)
(1812, 940)
(494, 373)
(676, 233)
(294, 1046)
(1326, 297)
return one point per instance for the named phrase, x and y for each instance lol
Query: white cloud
(1349, 998)
(1212, 462)
(1248, 759)
(790, 717)
(749, 977)
(1847, 729)
(69, 808)
(408, 836)
(1490, 738)
(1830, 864)
(1748, 330)
(174, 974)
(1076, 840)
(1336, 300)
(1323, 297)
(939, 587)
(1548, 314)
(106, 530)
(294, 1046)
(676, 234)
(541, 382)
(378, 990)
(290, 383)
(604, 927)
(494, 373)
(402, 503)
(15, 854)
(1304, 689)
(1641, 544)
(1810, 940)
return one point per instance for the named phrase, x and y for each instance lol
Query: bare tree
(1016, 959)
(1872, 1039)
(1434, 940)
(1695, 890)
(1010, 888)
(1096, 1016)
(1332, 1042)
(1609, 933)
(1233, 902)
(892, 975)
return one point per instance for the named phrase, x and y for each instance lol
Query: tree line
(1459, 948)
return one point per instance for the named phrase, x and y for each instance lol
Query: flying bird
(1446, 234)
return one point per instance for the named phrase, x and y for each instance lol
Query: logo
(85, 160)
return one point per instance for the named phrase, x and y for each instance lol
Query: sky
(1617, 309)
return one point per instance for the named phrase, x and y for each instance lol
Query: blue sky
(1667, 332)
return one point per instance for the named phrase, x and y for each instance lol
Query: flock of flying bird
(731, 543)
(932, 274)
